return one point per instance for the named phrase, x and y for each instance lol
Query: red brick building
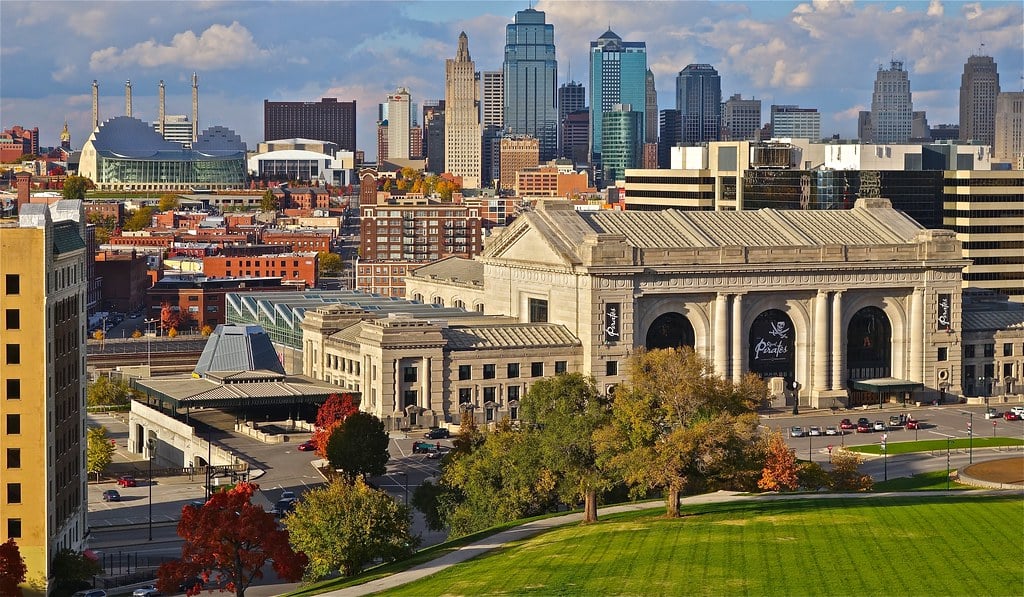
(200, 299)
(125, 280)
(299, 240)
(113, 210)
(17, 141)
(293, 268)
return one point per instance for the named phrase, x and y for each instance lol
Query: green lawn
(933, 481)
(930, 445)
(869, 546)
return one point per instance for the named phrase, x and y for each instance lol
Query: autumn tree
(780, 469)
(568, 410)
(168, 202)
(330, 264)
(99, 451)
(71, 571)
(678, 427)
(105, 226)
(331, 413)
(75, 187)
(359, 446)
(845, 474)
(139, 219)
(109, 392)
(228, 540)
(342, 527)
(269, 201)
(12, 568)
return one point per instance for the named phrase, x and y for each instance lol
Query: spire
(95, 104)
(128, 98)
(160, 118)
(195, 107)
(462, 55)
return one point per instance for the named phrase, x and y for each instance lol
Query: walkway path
(533, 528)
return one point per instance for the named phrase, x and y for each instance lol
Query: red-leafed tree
(12, 568)
(332, 412)
(169, 317)
(227, 542)
(780, 469)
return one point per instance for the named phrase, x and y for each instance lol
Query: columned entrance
(868, 352)
(670, 330)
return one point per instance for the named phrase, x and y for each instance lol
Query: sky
(821, 54)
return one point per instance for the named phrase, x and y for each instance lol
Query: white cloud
(216, 48)
(64, 73)
(935, 8)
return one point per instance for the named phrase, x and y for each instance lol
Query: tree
(331, 413)
(75, 187)
(343, 527)
(98, 335)
(12, 568)
(330, 263)
(72, 572)
(228, 540)
(845, 474)
(678, 427)
(780, 469)
(139, 219)
(99, 451)
(269, 201)
(359, 446)
(168, 202)
(109, 392)
(568, 410)
(105, 226)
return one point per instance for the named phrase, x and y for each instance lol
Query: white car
(831, 430)
(796, 432)
(146, 591)
(815, 430)
(1018, 410)
(878, 426)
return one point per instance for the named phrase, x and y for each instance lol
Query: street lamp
(151, 448)
(970, 440)
(810, 437)
(949, 442)
(885, 458)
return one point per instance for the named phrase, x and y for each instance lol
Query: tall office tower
(530, 76)
(699, 101)
(177, 128)
(433, 135)
(741, 119)
(864, 126)
(892, 110)
(794, 122)
(42, 381)
(382, 141)
(979, 86)
(576, 136)
(670, 127)
(919, 129)
(618, 75)
(462, 132)
(1009, 142)
(416, 143)
(399, 123)
(621, 142)
(571, 98)
(326, 120)
(492, 117)
(651, 109)
(944, 132)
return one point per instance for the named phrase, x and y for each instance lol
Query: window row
(490, 370)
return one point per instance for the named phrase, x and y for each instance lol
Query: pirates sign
(772, 344)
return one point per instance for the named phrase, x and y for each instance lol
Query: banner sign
(611, 322)
(943, 319)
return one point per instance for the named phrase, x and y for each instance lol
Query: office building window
(13, 389)
(409, 374)
(489, 414)
(990, 350)
(13, 284)
(513, 393)
(513, 370)
(968, 351)
(1007, 350)
(943, 354)
(13, 457)
(1007, 369)
(489, 394)
(13, 425)
(560, 367)
(465, 395)
(538, 310)
(409, 398)
(14, 528)
(537, 369)
(14, 493)
(489, 371)
(13, 319)
(465, 372)
(13, 354)
(611, 368)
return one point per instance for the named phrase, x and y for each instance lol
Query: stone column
(721, 349)
(399, 401)
(837, 341)
(916, 348)
(425, 384)
(739, 361)
(821, 344)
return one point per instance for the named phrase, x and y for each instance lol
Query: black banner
(611, 322)
(772, 345)
(943, 312)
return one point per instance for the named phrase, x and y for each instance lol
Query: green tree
(75, 187)
(342, 527)
(359, 446)
(677, 427)
(139, 219)
(168, 202)
(330, 264)
(72, 572)
(269, 201)
(105, 226)
(99, 451)
(568, 410)
(845, 474)
(109, 392)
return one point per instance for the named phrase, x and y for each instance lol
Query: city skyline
(821, 55)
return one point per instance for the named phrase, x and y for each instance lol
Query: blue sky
(821, 54)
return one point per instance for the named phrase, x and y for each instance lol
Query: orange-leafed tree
(169, 317)
(780, 469)
(332, 412)
(228, 540)
(12, 568)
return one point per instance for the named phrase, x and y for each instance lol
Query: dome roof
(130, 137)
(609, 35)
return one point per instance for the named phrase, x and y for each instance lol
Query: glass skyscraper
(618, 75)
(531, 76)
(699, 101)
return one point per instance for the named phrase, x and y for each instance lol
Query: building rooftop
(453, 269)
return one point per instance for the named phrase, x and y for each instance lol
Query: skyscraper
(741, 119)
(326, 120)
(492, 117)
(670, 127)
(618, 75)
(530, 76)
(699, 101)
(621, 141)
(571, 98)
(794, 122)
(979, 86)
(650, 109)
(892, 110)
(433, 135)
(1009, 142)
(399, 123)
(462, 132)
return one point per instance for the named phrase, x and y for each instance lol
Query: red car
(126, 481)
(863, 428)
(307, 446)
(847, 424)
(1011, 416)
(912, 424)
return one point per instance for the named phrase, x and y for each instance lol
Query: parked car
(864, 421)
(831, 430)
(1011, 416)
(992, 413)
(435, 455)
(288, 495)
(897, 420)
(111, 495)
(863, 427)
(307, 446)
(423, 447)
(127, 481)
(146, 591)
(436, 433)
(815, 430)
(91, 593)
(912, 424)
(796, 432)
(283, 507)
(1018, 410)
(847, 424)
(878, 426)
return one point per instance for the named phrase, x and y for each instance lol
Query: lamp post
(151, 448)
(949, 442)
(810, 437)
(970, 440)
(885, 458)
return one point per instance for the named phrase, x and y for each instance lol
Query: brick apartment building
(302, 198)
(18, 141)
(547, 181)
(124, 280)
(201, 298)
(299, 240)
(292, 268)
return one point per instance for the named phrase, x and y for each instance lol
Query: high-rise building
(433, 135)
(892, 110)
(399, 123)
(530, 77)
(177, 128)
(326, 120)
(462, 133)
(621, 142)
(699, 101)
(670, 127)
(979, 86)
(651, 109)
(576, 135)
(517, 153)
(416, 143)
(1009, 138)
(571, 98)
(42, 381)
(618, 76)
(741, 119)
(492, 117)
(794, 122)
